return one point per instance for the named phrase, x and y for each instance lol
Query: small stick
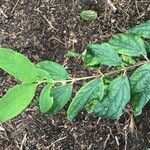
(2, 12)
(117, 141)
(15, 6)
(23, 141)
(108, 136)
(60, 139)
(1, 128)
(46, 19)
(112, 5)
(49, 22)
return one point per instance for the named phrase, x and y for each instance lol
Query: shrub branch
(125, 69)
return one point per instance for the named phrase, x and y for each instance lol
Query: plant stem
(111, 72)
(125, 69)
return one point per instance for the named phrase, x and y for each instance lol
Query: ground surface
(45, 30)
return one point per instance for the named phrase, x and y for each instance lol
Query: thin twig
(46, 19)
(117, 141)
(23, 141)
(49, 22)
(146, 57)
(113, 72)
(108, 136)
(112, 5)
(15, 6)
(125, 69)
(126, 142)
(55, 38)
(2, 12)
(60, 139)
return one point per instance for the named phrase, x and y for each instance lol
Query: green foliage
(106, 95)
(61, 95)
(128, 60)
(73, 54)
(100, 54)
(142, 29)
(16, 100)
(118, 95)
(140, 87)
(131, 45)
(90, 91)
(147, 45)
(17, 65)
(43, 75)
(88, 15)
(56, 71)
(45, 101)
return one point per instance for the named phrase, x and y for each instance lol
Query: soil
(46, 30)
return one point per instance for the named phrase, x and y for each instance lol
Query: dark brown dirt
(45, 30)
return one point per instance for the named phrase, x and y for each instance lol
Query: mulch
(46, 30)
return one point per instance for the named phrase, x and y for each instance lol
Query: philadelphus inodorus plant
(104, 95)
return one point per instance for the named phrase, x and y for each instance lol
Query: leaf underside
(17, 65)
(16, 100)
(56, 71)
(43, 75)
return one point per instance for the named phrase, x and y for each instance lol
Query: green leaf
(17, 65)
(73, 54)
(116, 99)
(45, 101)
(140, 88)
(142, 29)
(128, 59)
(61, 96)
(56, 71)
(147, 45)
(44, 75)
(88, 15)
(90, 91)
(130, 45)
(101, 54)
(16, 100)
